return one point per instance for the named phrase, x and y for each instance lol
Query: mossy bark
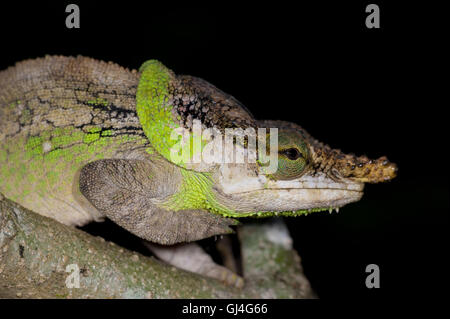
(35, 253)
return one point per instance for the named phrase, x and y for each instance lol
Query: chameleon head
(310, 176)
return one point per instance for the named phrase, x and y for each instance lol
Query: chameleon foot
(226, 276)
(193, 258)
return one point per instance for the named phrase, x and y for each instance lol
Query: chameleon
(82, 140)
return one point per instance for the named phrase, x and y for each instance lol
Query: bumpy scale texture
(56, 115)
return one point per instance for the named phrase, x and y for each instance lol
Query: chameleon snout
(364, 170)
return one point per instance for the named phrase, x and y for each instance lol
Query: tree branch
(35, 251)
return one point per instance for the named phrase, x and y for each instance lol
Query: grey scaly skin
(82, 139)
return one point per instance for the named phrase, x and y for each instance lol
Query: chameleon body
(82, 139)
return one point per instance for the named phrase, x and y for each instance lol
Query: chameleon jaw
(246, 195)
(288, 202)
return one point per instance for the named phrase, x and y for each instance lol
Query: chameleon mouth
(349, 188)
(353, 187)
(291, 201)
(292, 185)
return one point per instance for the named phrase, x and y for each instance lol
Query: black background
(372, 92)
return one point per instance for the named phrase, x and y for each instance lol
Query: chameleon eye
(292, 162)
(291, 153)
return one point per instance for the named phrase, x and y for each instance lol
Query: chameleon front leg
(224, 246)
(128, 192)
(193, 258)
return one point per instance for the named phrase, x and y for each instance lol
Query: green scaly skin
(196, 191)
(54, 124)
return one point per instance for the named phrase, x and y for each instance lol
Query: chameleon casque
(82, 139)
